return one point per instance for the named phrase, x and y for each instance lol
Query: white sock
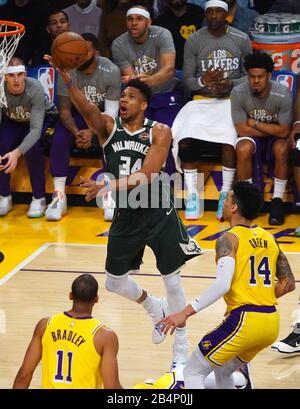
(249, 180)
(190, 178)
(150, 304)
(180, 338)
(60, 183)
(279, 188)
(298, 312)
(228, 176)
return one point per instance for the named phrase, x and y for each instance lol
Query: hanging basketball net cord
(10, 35)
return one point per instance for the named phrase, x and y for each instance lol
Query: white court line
(105, 245)
(24, 263)
(47, 245)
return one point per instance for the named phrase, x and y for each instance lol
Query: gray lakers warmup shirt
(203, 51)
(31, 106)
(145, 58)
(275, 107)
(104, 83)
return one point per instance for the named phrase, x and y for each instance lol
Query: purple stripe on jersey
(223, 333)
(244, 225)
(256, 308)
(77, 318)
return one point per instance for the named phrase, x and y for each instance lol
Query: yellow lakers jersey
(69, 357)
(253, 280)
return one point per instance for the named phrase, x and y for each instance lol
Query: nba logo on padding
(46, 76)
(287, 80)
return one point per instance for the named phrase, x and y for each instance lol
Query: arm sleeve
(37, 116)
(225, 271)
(190, 66)
(111, 108)
(238, 113)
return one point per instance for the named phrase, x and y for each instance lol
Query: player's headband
(216, 3)
(137, 10)
(15, 68)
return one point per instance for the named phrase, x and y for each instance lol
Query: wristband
(69, 83)
(201, 83)
(295, 123)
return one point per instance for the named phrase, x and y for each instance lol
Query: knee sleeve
(124, 286)
(188, 151)
(295, 157)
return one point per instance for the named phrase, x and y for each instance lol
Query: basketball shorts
(244, 333)
(160, 229)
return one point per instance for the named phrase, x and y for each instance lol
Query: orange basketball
(69, 50)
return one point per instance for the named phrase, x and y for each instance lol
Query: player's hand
(212, 76)
(251, 122)
(12, 160)
(220, 86)
(92, 188)
(62, 71)
(145, 78)
(293, 132)
(126, 78)
(171, 322)
(83, 138)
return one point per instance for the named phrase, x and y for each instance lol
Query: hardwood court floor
(42, 285)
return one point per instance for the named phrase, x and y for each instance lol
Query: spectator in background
(21, 127)
(32, 14)
(261, 110)
(148, 53)
(99, 80)
(261, 6)
(285, 6)
(295, 153)
(182, 20)
(213, 64)
(241, 18)
(58, 22)
(84, 16)
(112, 24)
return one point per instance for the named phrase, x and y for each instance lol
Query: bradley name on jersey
(65, 335)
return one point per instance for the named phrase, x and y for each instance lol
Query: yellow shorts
(243, 334)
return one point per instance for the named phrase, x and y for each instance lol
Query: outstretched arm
(226, 247)
(155, 159)
(286, 279)
(32, 357)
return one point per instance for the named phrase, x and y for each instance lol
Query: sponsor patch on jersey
(144, 136)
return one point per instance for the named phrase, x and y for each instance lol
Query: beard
(86, 64)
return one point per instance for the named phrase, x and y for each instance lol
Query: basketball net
(10, 35)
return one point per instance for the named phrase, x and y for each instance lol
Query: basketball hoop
(10, 34)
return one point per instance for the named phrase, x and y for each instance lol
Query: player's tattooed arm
(286, 279)
(226, 245)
